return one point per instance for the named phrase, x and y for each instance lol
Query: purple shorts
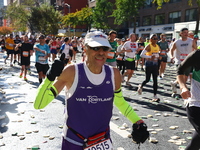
(70, 146)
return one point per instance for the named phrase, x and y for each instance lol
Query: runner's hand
(185, 93)
(56, 68)
(139, 133)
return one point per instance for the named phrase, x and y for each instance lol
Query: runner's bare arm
(172, 49)
(194, 45)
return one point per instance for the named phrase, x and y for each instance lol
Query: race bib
(163, 52)
(10, 44)
(25, 53)
(42, 59)
(156, 56)
(111, 55)
(183, 56)
(119, 58)
(103, 145)
(53, 47)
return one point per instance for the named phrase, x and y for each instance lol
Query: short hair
(183, 29)
(131, 34)
(42, 36)
(162, 34)
(112, 32)
(66, 39)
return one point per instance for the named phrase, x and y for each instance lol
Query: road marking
(122, 133)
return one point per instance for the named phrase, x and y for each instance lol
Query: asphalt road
(24, 127)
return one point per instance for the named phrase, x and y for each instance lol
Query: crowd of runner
(127, 54)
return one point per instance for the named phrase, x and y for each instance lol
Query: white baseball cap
(96, 39)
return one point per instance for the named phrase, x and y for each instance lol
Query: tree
(126, 10)
(44, 19)
(85, 16)
(81, 17)
(102, 12)
(190, 3)
(17, 16)
(5, 30)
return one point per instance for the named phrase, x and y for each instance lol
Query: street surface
(22, 127)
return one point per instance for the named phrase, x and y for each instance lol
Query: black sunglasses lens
(98, 48)
(95, 48)
(105, 48)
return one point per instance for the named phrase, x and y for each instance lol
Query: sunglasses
(105, 48)
(154, 38)
(41, 38)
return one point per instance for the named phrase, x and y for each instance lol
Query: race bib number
(119, 58)
(103, 145)
(111, 55)
(53, 47)
(11, 45)
(42, 59)
(156, 56)
(163, 52)
(25, 53)
(132, 45)
(183, 56)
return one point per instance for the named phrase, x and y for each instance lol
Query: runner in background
(26, 50)
(111, 58)
(120, 56)
(191, 97)
(42, 52)
(17, 53)
(164, 49)
(131, 48)
(151, 55)
(139, 60)
(182, 47)
(53, 47)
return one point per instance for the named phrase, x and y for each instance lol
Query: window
(131, 23)
(175, 17)
(146, 21)
(160, 19)
(191, 15)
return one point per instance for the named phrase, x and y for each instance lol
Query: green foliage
(81, 17)
(160, 2)
(18, 15)
(102, 12)
(126, 9)
(43, 18)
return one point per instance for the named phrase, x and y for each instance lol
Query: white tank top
(183, 48)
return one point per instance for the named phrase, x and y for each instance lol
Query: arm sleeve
(124, 107)
(143, 54)
(45, 94)
(190, 61)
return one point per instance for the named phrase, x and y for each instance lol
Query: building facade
(169, 19)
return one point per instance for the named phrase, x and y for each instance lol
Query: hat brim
(97, 44)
